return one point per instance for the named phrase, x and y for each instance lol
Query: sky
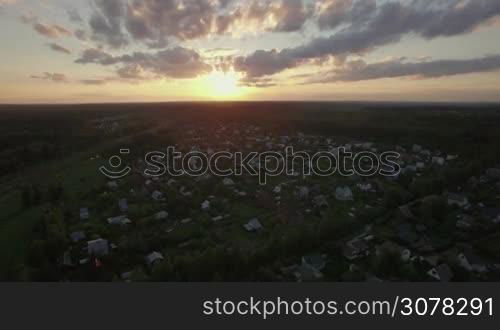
(87, 51)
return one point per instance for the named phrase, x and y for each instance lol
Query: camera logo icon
(115, 163)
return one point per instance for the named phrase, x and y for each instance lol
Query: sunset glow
(114, 50)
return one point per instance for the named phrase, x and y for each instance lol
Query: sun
(223, 85)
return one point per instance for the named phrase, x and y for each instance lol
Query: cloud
(365, 25)
(55, 77)
(59, 48)
(178, 62)
(74, 15)
(359, 70)
(93, 82)
(51, 30)
(106, 24)
(116, 23)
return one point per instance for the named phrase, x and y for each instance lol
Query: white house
(344, 194)
(121, 220)
(253, 225)
(205, 206)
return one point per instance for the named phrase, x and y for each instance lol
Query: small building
(344, 194)
(112, 185)
(84, 213)
(205, 206)
(121, 220)
(228, 182)
(472, 262)
(438, 161)
(158, 196)
(162, 215)
(492, 214)
(316, 261)
(493, 173)
(77, 236)
(98, 247)
(320, 201)
(304, 273)
(459, 200)
(123, 205)
(303, 193)
(355, 249)
(253, 225)
(365, 187)
(154, 258)
(441, 273)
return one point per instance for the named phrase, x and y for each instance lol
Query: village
(420, 224)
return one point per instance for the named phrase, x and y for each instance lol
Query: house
(154, 258)
(344, 194)
(253, 225)
(84, 213)
(315, 261)
(98, 247)
(303, 193)
(492, 214)
(205, 206)
(471, 262)
(493, 173)
(121, 220)
(416, 148)
(407, 234)
(441, 273)
(77, 236)
(465, 222)
(305, 273)
(158, 196)
(320, 201)
(228, 182)
(162, 215)
(459, 200)
(67, 260)
(123, 205)
(355, 249)
(438, 161)
(365, 187)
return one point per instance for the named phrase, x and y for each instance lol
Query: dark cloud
(80, 34)
(51, 30)
(55, 77)
(74, 15)
(117, 22)
(175, 62)
(106, 23)
(368, 25)
(94, 82)
(359, 70)
(59, 48)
